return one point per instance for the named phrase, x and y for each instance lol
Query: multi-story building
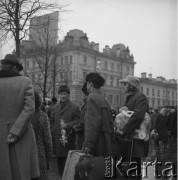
(159, 91)
(79, 57)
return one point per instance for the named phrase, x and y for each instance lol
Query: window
(158, 103)
(153, 92)
(153, 103)
(111, 81)
(158, 93)
(71, 59)
(173, 94)
(147, 91)
(70, 75)
(66, 60)
(62, 60)
(118, 67)
(168, 94)
(117, 99)
(110, 98)
(105, 77)
(141, 89)
(118, 83)
(163, 93)
(106, 65)
(163, 103)
(84, 75)
(85, 60)
(127, 69)
(112, 66)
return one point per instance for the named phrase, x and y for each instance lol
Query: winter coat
(43, 136)
(98, 125)
(19, 161)
(137, 102)
(71, 115)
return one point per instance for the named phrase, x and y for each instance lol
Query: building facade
(159, 91)
(78, 57)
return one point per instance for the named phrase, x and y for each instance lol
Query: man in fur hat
(19, 158)
(64, 116)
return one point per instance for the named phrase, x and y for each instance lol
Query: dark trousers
(61, 164)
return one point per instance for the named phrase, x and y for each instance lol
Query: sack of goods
(122, 119)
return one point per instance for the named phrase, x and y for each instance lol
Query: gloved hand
(86, 150)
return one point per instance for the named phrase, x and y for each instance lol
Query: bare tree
(14, 17)
(44, 54)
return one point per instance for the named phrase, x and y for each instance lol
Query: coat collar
(8, 73)
(66, 107)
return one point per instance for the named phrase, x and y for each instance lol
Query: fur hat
(132, 80)
(12, 60)
(63, 88)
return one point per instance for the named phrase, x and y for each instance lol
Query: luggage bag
(72, 159)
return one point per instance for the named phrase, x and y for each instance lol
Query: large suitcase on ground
(72, 159)
(90, 168)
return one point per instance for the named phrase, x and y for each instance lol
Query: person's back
(16, 133)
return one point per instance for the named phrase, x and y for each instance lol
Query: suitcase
(90, 168)
(72, 159)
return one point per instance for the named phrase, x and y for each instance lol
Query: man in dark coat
(64, 116)
(50, 108)
(98, 120)
(137, 102)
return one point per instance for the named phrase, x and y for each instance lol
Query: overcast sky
(148, 27)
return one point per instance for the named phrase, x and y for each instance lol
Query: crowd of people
(32, 133)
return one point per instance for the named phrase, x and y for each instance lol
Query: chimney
(143, 75)
(150, 76)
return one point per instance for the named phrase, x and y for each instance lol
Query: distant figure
(162, 128)
(18, 150)
(51, 107)
(43, 137)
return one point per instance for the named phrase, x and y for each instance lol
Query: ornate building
(77, 57)
(159, 91)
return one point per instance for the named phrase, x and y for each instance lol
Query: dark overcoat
(71, 115)
(16, 111)
(98, 125)
(162, 127)
(137, 102)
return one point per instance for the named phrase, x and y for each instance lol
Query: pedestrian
(79, 128)
(174, 124)
(99, 126)
(50, 108)
(19, 155)
(43, 136)
(63, 118)
(138, 103)
(162, 128)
